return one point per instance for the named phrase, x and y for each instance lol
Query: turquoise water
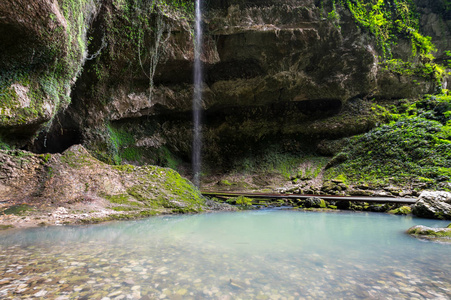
(266, 254)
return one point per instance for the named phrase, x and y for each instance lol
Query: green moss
(183, 210)
(275, 160)
(403, 210)
(389, 21)
(45, 157)
(4, 227)
(341, 178)
(415, 147)
(123, 208)
(224, 182)
(125, 168)
(77, 160)
(4, 145)
(124, 216)
(18, 210)
(431, 232)
(243, 201)
(165, 188)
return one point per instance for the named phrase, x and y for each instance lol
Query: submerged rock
(436, 234)
(435, 205)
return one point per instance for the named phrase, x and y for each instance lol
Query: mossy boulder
(403, 210)
(78, 182)
(315, 202)
(44, 46)
(434, 234)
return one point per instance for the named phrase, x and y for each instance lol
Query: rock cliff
(116, 76)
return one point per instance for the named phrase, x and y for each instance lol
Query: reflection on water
(249, 255)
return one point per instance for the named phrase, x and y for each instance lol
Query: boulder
(435, 205)
(442, 235)
(314, 202)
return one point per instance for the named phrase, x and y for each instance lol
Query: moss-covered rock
(314, 202)
(43, 49)
(403, 210)
(435, 234)
(77, 183)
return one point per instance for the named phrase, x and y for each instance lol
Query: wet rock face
(276, 72)
(42, 49)
(27, 30)
(436, 205)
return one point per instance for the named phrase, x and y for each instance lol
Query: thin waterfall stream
(197, 99)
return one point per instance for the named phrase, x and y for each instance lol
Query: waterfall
(197, 99)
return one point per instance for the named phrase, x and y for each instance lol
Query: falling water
(197, 100)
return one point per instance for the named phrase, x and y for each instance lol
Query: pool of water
(266, 254)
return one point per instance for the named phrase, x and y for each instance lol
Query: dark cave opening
(57, 139)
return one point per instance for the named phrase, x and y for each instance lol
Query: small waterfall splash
(197, 100)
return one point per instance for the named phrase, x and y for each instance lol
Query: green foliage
(183, 7)
(416, 146)
(389, 21)
(167, 159)
(446, 5)
(46, 157)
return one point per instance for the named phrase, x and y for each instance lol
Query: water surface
(267, 254)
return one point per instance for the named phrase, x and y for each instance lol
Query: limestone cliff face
(277, 73)
(42, 49)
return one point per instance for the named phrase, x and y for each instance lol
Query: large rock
(442, 235)
(42, 49)
(436, 205)
(75, 178)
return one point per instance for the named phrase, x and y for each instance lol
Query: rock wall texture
(277, 74)
(89, 189)
(42, 50)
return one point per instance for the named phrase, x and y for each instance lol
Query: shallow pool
(266, 254)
